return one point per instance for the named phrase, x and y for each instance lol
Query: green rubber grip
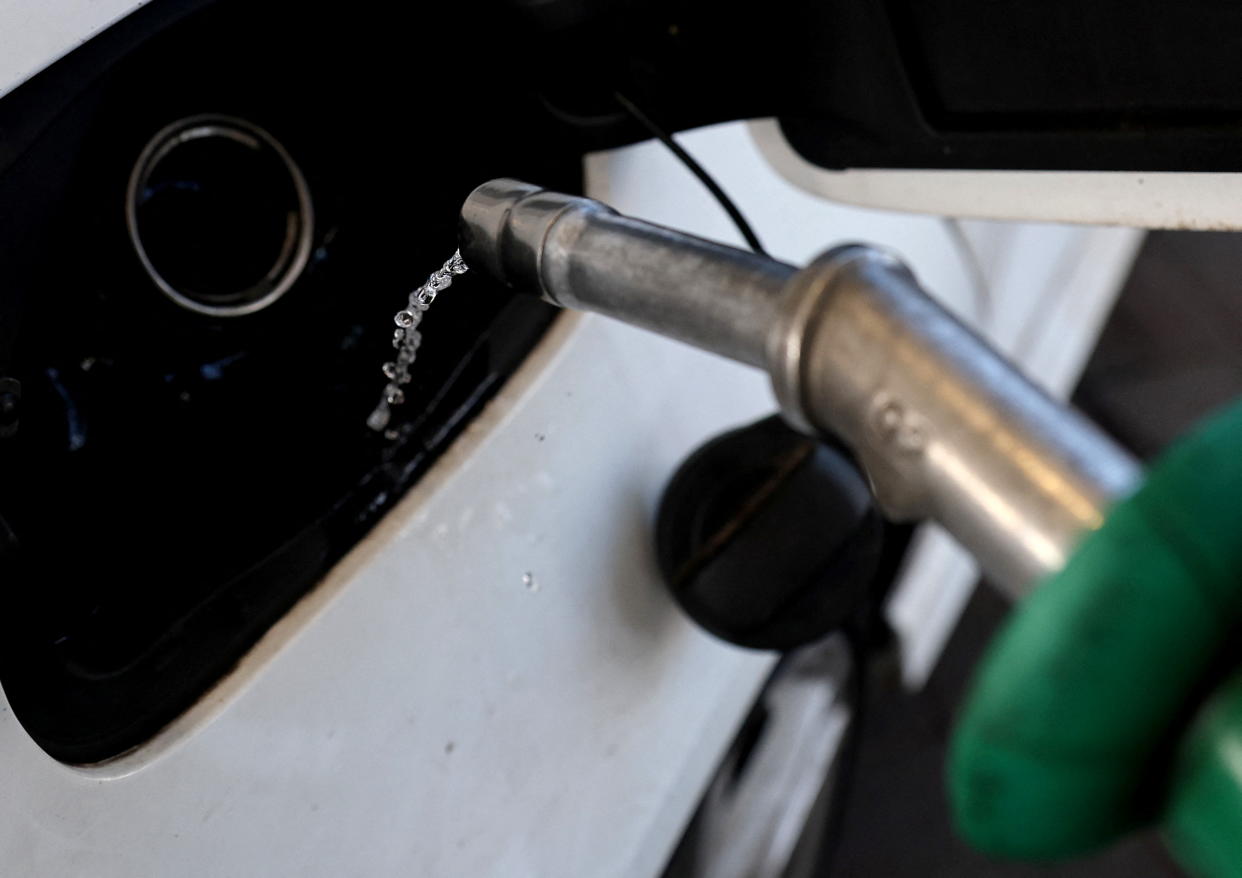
(1203, 823)
(1094, 671)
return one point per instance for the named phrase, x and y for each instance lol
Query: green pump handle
(1203, 818)
(1059, 749)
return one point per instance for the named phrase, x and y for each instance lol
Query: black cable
(752, 240)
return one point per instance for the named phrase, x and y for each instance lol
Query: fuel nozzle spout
(581, 254)
(945, 426)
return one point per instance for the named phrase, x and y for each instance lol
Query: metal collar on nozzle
(504, 226)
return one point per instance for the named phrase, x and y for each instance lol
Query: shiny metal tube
(581, 254)
(945, 426)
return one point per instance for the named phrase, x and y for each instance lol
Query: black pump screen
(1108, 58)
(176, 480)
(1140, 85)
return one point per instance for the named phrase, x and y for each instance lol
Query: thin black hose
(752, 240)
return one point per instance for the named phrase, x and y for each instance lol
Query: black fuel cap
(767, 538)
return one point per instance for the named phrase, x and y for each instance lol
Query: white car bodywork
(494, 682)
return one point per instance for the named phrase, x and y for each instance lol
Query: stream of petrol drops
(406, 339)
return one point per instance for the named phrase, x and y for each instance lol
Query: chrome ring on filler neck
(294, 251)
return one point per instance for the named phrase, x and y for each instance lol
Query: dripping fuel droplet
(378, 419)
(406, 339)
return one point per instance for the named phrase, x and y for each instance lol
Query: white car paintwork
(427, 712)
(34, 33)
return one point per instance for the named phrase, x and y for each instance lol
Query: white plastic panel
(1150, 200)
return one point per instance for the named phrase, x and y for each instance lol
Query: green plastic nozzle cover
(1203, 819)
(1059, 748)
